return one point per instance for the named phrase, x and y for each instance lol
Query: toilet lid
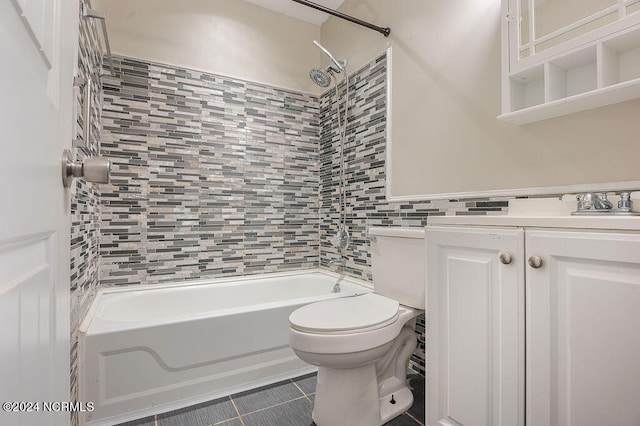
(345, 313)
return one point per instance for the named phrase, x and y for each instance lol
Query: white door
(583, 329)
(475, 327)
(38, 41)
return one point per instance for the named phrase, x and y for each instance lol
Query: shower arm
(384, 31)
(341, 65)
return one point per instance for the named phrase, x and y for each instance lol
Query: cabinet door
(583, 329)
(475, 327)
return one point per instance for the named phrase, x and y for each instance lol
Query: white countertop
(572, 222)
(542, 213)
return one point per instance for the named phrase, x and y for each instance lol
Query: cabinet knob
(535, 262)
(505, 258)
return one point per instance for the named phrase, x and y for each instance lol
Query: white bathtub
(151, 349)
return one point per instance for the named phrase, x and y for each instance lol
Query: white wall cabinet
(565, 56)
(579, 313)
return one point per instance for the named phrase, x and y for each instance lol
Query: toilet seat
(347, 325)
(346, 315)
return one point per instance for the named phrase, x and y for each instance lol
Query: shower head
(341, 65)
(321, 77)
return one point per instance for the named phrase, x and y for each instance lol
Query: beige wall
(446, 96)
(229, 37)
(446, 86)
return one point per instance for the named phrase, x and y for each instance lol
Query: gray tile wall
(212, 176)
(84, 197)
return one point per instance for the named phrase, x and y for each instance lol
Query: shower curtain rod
(385, 31)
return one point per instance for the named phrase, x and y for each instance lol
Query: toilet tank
(398, 259)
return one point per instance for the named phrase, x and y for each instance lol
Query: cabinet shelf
(620, 92)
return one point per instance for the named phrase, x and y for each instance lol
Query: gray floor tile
(281, 404)
(402, 420)
(147, 421)
(204, 414)
(293, 413)
(417, 384)
(232, 422)
(307, 383)
(267, 396)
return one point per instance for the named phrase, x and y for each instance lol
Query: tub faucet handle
(338, 261)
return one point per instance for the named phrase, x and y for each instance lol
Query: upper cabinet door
(540, 29)
(583, 329)
(475, 326)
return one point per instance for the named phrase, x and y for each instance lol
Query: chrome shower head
(321, 77)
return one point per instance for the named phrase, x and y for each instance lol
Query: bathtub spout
(336, 286)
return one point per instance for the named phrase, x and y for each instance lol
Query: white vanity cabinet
(475, 324)
(583, 329)
(548, 335)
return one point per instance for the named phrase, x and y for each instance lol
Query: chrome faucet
(591, 203)
(336, 286)
(591, 199)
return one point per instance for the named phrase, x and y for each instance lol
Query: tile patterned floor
(288, 403)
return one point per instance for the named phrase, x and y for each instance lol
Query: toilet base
(364, 395)
(350, 399)
(393, 405)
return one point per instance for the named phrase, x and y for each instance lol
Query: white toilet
(362, 344)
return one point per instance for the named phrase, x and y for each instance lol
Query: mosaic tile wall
(84, 196)
(365, 174)
(212, 176)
